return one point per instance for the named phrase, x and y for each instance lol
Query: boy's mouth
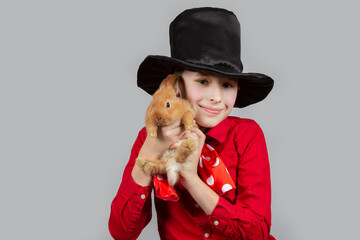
(211, 110)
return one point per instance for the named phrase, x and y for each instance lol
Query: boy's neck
(203, 129)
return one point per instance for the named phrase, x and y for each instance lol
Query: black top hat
(205, 39)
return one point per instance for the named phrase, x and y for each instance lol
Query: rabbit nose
(160, 121)
(158, 118)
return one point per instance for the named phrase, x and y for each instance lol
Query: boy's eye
(203, 81)
(227, 85)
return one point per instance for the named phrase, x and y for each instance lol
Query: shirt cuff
(224, 213)
(221, 214)
(138, 193)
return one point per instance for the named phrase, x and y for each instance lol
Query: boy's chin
(209, 122)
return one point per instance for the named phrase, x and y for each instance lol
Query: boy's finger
(175, 145)
(198, 133)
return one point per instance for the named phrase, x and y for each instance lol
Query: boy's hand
(189, 168)
(153, 148)
(171, 134)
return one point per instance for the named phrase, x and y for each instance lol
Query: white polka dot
(210, 147)
(159, 177)
(216, 162)
(201, 164)
(226, 188)
(210, 180)
(206, 158)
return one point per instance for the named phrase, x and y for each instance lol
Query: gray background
(70, 110)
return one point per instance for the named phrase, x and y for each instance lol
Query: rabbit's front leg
(188, 120)
(151, 129)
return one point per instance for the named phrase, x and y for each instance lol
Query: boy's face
(211, 96)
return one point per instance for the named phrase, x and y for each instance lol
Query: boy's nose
(215, 94)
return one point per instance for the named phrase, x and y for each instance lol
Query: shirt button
(196, 205)
(143, 196)
(207, 235)
(216, 222)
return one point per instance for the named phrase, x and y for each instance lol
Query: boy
(205, 50)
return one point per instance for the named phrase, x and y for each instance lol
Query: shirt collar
(220, 131)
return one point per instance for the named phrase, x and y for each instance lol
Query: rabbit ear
(170, 82)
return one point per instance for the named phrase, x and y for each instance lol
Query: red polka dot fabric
(211, 169)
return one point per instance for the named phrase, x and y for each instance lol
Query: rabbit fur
(166, 108)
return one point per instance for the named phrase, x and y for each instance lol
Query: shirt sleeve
(131, 207)
(249, 217)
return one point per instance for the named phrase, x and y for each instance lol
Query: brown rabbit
(166, 108)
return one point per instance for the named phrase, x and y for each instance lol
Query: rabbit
(166, 108)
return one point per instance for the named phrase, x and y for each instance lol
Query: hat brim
(254, 87)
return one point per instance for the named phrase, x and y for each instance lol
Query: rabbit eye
(167, 105)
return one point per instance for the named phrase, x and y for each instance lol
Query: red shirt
(242, 213)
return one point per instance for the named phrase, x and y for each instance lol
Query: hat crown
(205, 39)
(207, 36)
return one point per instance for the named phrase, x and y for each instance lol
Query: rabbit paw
(188, 127)
(185, 149)
(145, 165)
(189, 144)
(140, 162)
(151, 167)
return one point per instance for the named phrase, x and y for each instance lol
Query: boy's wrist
(140, 177)
(151, 149)
(189, 180)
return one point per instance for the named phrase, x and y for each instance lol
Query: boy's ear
(179, 88)
(178, 93)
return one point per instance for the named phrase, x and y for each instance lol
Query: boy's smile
(211, 110)
(211, 96)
